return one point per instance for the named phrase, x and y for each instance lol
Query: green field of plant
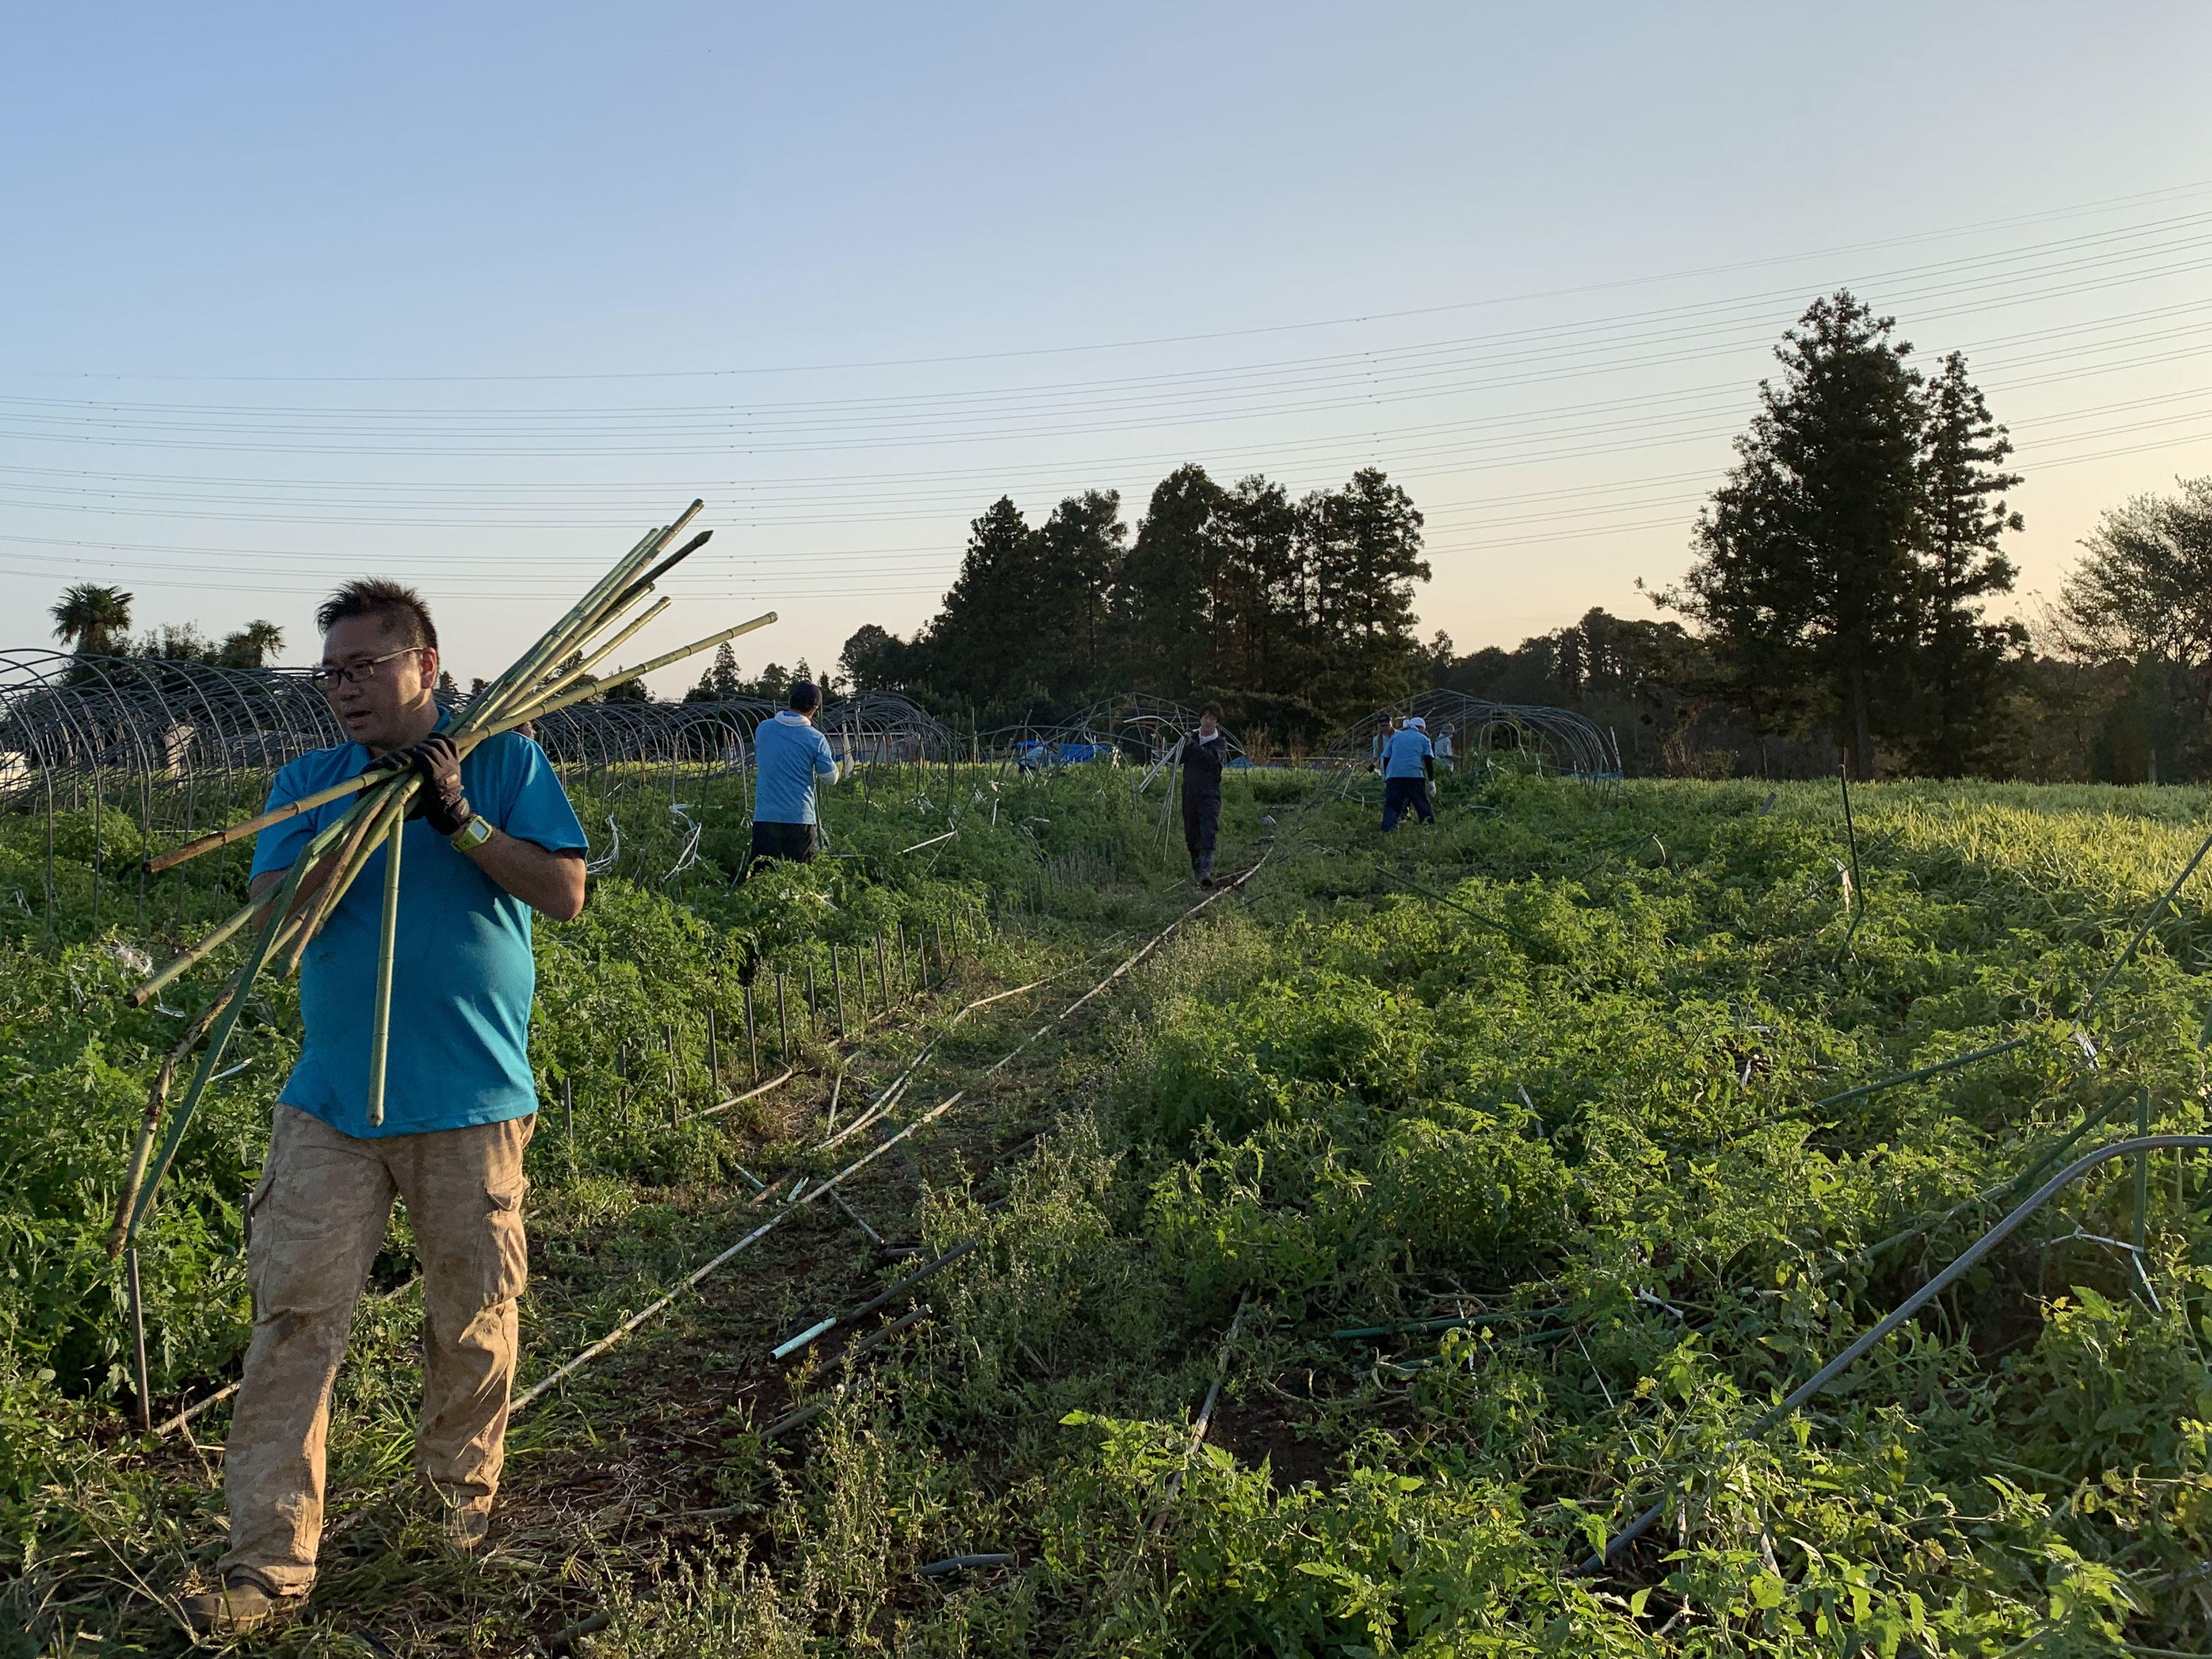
(1494, 1171)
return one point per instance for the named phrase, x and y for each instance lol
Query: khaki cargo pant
(317, 1217)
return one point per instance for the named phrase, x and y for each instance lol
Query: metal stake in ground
(782, 1022)
(837, 985)
(713, 1052)
(753, 1034)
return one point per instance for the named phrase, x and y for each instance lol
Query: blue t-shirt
(1403, 754)
(789, 754)
(463, 976)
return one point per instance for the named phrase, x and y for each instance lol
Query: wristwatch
(470, 836)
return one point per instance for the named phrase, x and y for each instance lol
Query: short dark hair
(805, 696)
(405, 617)
(1212, 709)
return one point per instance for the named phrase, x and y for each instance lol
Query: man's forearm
(550, 882)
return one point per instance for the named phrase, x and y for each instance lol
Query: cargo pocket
(506, 1264)
(257, 1248)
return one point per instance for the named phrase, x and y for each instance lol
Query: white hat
(1416, 722)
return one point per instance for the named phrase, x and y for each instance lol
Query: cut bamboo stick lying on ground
(536, 685)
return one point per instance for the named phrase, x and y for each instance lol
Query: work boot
(243, 1604)
(466, 1528)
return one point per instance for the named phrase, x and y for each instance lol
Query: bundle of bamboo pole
(538, 682)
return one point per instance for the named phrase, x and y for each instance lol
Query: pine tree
(1077, 553)
(1261, 634)
(1964, 661)
(977, 648)
(719, 681)
(1166, 603)
(1363, 556)
(1806, 581)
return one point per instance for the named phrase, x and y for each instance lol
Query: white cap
(1416, 722)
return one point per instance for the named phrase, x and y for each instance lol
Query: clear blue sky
(472, 294)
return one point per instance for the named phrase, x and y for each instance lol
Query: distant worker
(1409, 763)
(1381, 742)
(788, 754)
(491, 838)
(1444, 749)
(1204, 752)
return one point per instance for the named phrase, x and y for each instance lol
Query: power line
(2051, 215)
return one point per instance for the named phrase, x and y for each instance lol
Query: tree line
(1835, 609)
(1297, 613)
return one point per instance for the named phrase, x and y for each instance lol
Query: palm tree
(89, 617)
(251, 646)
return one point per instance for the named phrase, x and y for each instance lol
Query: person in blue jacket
(788, 756)
(1409, 763)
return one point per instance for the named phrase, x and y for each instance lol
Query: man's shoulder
(505, 748)
(318, 769)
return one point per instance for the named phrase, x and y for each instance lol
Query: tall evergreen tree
(1077, 553)
(988, 611)
(720, 680)
(1806, 579)
(1965, 661)
(1166, 602)
(1261, 637)
(1363, 556)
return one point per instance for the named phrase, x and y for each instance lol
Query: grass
(1557, 1079)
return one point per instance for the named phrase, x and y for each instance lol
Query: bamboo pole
(156, 1098)
(602, 595)
(379, 1033)
(623, 675)
(225, 1023)
(376, 776)
(352, 858)
(607, 650)
(464, 726)
(152, 989)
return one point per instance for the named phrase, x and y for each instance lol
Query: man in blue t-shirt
(788, 756)
(494, 839)
(1408, 762)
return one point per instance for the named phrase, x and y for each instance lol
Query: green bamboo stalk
(181, 1118)
(379, 1034)
(351, 857)
(605, 651)
(156, 1098)
(623, 675)
(610, 592)
(531, 665)
(464, 740)
(152, 989)
(218, 838)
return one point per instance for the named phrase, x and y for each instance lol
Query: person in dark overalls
(1204, 752)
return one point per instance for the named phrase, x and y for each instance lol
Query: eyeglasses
(357, 673)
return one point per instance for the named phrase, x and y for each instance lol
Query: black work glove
(440, 803)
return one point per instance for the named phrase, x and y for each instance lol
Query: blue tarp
(1034, 753)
